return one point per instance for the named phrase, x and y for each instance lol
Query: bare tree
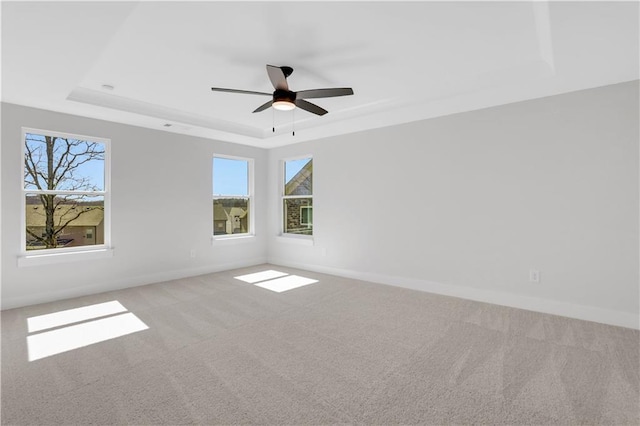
(53, 164)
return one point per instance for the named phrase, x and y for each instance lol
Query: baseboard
(18, 302)
(554, 307)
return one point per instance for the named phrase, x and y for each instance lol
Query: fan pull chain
(293, 122)
(273, 120)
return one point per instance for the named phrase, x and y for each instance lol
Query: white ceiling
(405, 61)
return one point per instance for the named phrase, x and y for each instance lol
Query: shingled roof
(300, 184)
(91, 216)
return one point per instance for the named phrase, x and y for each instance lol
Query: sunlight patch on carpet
(76, 328)
(70, 316)
(286, 283)
(275, 280)
(261, 276)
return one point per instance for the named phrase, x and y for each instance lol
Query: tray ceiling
(405, 61)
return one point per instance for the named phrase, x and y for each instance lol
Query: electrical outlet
(534, 276)
(192, 253)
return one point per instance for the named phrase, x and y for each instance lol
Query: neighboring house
(229, 218)
(87, 229)
(237, 220)
(219, 218)
(299, 214)
(301, 183)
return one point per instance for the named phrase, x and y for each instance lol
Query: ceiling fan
(285, 99)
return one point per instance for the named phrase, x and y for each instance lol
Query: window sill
(55, 258)
(295, 239)
(230, 239)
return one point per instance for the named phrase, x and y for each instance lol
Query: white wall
(462, 205)
(467, 204)
(161, 209)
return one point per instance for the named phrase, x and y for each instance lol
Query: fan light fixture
(284, 105)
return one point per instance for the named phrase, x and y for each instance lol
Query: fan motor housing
(284, 95)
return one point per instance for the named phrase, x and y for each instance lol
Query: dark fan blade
(324, 93)
(277, 77)
(308, 106)
(246, 92)
(263, 106)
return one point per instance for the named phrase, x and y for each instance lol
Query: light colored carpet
(222, 351)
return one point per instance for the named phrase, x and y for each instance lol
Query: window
(297, 198)
(232, 196)
(306, 215)
(65, 189)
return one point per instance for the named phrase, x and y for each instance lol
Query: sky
(293, 166)
(230, 176)
(93, 170)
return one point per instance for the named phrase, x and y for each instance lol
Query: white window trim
(55, 258)
(250, 197)
(282, 176)
(303, 240)
(66, 254)
(233, 239)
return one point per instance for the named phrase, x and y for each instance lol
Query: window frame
(105, 193)
(250, 198)
(283, 197)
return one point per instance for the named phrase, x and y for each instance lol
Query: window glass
(64, 191)
(63, 163)
(297, 201)
(298, 177)
(231, 196)
(306, 215)
(230, 177)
